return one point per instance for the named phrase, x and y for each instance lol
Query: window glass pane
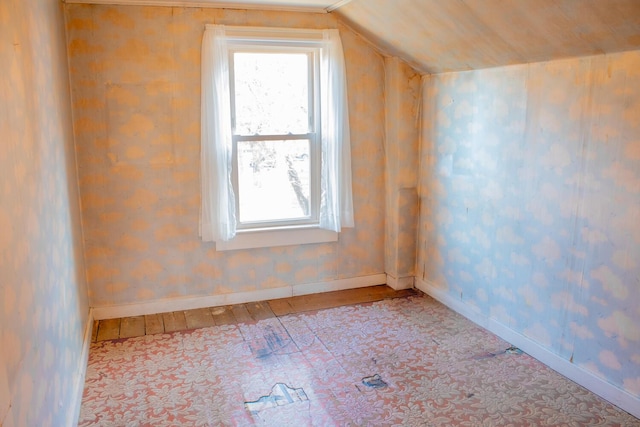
(274, 180)
(271, 93)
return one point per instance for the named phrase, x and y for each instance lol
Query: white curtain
(218, 207)
(336, 205)
(217, 214)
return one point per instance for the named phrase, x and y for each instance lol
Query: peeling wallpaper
(43, 295)
(530, 204)
(135, 75)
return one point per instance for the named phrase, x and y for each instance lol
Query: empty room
(320, 212)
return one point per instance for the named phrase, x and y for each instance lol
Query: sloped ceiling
(438, 36)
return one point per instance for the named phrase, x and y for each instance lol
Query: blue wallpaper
(530, 195)
(43, 296)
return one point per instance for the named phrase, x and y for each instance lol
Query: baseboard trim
(82, 369)
(339, 285)
(190, 303)
(398, 283)
(595, 384)
(6, 413)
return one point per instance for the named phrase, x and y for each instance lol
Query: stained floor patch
(281, 394)
(271, 341)
(374, 381)
(511, 350)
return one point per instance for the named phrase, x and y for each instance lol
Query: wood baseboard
(190, 303)
(78, 384)
(399, 283)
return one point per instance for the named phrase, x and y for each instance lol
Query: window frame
(313, 135)
(217, 208)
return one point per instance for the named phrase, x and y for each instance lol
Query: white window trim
(298, 231)
(338, 207)
(314, 199)
(280, 236)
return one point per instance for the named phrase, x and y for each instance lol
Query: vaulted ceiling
(438, 36)
(451, 35)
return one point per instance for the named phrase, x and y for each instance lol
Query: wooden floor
(128, 327)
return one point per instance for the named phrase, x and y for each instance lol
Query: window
(275, 137)
(276, 151)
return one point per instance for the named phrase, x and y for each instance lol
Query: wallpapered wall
(43, 295)
(135, 75)
(402, 108)
(531, 204)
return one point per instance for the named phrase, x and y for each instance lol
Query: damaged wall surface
(530, 205)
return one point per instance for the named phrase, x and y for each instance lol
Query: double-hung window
(275, 158)
(276, 146)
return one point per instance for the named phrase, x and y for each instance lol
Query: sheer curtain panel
(218, 209)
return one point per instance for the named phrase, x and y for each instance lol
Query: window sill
(265, 238)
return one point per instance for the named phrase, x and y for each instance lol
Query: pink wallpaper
(402, 112)
(135, 75)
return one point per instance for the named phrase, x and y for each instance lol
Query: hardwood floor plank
(94, 331)
(280, 307)
(320, 301)
(108, 329)
(403, 293)
(153, 324)
(223, 316)
(241, 313)
(174, 321)
(132, 327)
(259, 310)
(334, 299)
(199, 318)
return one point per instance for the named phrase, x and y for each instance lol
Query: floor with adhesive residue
(405, 361)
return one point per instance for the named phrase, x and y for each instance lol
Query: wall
(402, 89)
(530, 196)
(43, 295)
(135, 74)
